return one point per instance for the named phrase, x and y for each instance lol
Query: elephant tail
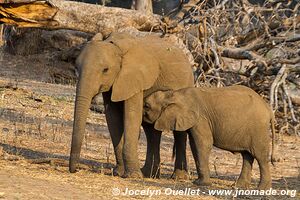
(273, 157)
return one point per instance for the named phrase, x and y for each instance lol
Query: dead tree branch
(59, 14)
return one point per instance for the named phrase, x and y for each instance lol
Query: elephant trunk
(82, 104)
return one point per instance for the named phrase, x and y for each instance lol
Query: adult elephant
(125, 69)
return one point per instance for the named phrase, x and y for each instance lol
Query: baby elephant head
(170, 110)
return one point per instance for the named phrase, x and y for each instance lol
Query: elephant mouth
(103, 88)
(147, 119)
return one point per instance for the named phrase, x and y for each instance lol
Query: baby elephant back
(239, 102)
(236, 110)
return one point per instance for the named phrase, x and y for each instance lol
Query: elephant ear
(138, 72)
(176, 117)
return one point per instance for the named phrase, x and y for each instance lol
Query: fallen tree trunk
(58, 14)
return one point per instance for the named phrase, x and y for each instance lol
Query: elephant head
(119, 64)
(170, 110)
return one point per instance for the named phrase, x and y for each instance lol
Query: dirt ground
(35, 131)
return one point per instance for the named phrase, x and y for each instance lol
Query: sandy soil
(35, 131)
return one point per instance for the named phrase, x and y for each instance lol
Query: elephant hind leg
(151, 169)
(244, 179)
(265, 176)
(261, 154)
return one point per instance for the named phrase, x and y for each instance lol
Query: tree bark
(58, 14)
(144, 6)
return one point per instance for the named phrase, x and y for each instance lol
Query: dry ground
(36, 125)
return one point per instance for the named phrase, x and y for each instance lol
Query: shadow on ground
(35, 156)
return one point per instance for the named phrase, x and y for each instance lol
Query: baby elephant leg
(261, 154)
(180, 170)
(265, 177)
(151, 168)
(245, 177)
(201, 144)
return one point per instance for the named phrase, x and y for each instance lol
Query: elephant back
(175, 69)
(151, 56)
(161, 48)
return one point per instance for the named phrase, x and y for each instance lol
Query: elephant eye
(105, 70)
(147, 106)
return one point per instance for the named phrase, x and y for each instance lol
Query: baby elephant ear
(177, 118)
(139, 72)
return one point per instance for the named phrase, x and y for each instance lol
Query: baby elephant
(232, 118)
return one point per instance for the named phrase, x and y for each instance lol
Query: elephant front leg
(201, 144)
(133, 109)
(151, 168)
(202, 161)
(114, 118)
(180, 169)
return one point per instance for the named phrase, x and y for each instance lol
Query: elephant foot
(242, 184)
(150, 172)
(180, 175)
(264, 185)
(119, 170)
(202, 182)
(135, 174)
(74, 160)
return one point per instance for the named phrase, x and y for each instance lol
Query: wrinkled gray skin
(232, 118)
(124, 69)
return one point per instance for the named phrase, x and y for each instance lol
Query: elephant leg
(244, 179)
(260, 152)
(265, 176)
(180, 169)
(151, 168)
(202, 141)
(133, 109)
(194, 151)
(114, 118)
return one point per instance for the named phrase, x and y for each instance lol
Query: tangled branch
(235, 42)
